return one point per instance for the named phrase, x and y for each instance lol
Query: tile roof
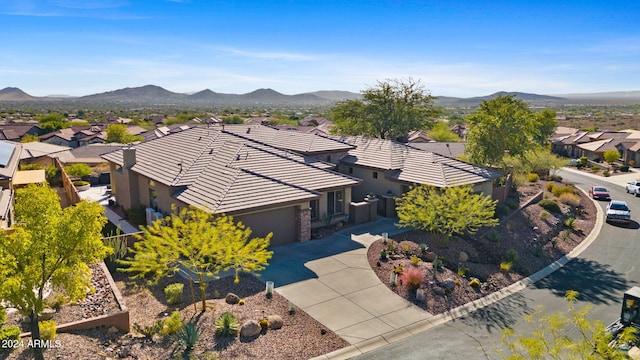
(303, 143)
(412, 165)
(227, 173)
(36, 149)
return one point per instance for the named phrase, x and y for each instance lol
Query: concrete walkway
(100, 194)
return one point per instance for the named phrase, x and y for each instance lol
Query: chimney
(128, 157)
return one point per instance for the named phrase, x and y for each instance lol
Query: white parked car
(633, 187)
(618, 211)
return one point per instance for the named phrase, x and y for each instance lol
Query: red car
(599, 193)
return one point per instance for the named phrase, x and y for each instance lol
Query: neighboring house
(36, 152)
(320, 147)
(63, 137)
(267, 188)
(11, 178)
(15, 132)
(77, 136)
(389, 168)
(576, 143)
(163, 131)
(450, 149)
(418, 136)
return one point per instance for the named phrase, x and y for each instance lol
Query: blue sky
(454, 48)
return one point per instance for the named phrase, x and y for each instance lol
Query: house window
(350, 170)
(335, 202)
(314, 204)
(375, 174)
(153, 195)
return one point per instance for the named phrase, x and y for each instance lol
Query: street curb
(426, 324)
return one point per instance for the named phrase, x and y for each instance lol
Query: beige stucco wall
(322, 210)
(379, 186)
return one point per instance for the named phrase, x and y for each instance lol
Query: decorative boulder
(429, 256)
(112, 330)
(438, 291)
(449, 284)
(47, 314)
(250, 328)
(275, 321)
(232, 298)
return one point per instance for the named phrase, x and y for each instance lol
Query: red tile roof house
(267, 188)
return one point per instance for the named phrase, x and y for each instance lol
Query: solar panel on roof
(6, 150)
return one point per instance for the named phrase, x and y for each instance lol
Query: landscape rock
(463, 257)
(112, 330)
(429, 256)
(449, 284)
(275, 321)
(232, 298)
(438, 291)
(47, 314)
(250, 328)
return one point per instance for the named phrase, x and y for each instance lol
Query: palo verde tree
(611, 156)
(50, 248)
(445, 212)
(505, 126)
(562, 335)
(388, 111)
(442, 133)
(196, 242)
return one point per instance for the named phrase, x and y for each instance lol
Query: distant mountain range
(155, 95)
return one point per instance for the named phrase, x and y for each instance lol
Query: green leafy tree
(29, 138)
(52, 122)
(195, 241)
(551, 339)
(118, 133)
(611, 156)
(390, 110)
(445, 212)
(544, 125)
(233, 119)
(49, 248)
(537, 160)
(504, 126)
(442, 133)
(77, 170)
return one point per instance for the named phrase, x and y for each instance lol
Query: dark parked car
(618, 211)
(599, 193)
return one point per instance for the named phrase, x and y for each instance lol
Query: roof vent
(210, 151)
(248, 130)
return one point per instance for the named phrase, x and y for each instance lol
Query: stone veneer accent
(303, 224)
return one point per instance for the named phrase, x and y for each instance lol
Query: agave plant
(188, 336)
(227, 325)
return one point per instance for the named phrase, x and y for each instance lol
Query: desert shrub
(595, 169)
(463, 271)
(397, 269)
(56, 302)
(606, 173)
(583, 161)
(241, 302)
(149, 331)
(572, 200)
(505, 266)
(624, 168)
(80, 183)
(173, 292)
(493, 235)
(554, 177)
(77, 170)
(383, 255)
(511, 256)
(227, 325)
(412, 278)
(544, 214)
(533, 177)
(437, 263)
(9, 333)
(415, 260)
(557, 191)
(550, 186)
(512, 204)
(31, 167)
(537, 251)
(423, 247)
(47, 329)
(187, 337)
(570, 223)
(501, 210)
(550, 205)
(264, 323)
(172, 324)
(405, 248)
(137, 215)
(474, 283)
(3, 316)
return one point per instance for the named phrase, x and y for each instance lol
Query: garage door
(282, 222)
